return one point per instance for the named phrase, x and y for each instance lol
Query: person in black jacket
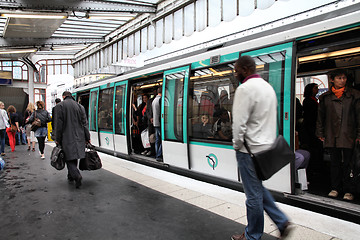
(41, 131)
(72, 133)
(53, 125)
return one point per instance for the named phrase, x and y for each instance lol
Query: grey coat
(338, 119)
(71, 128)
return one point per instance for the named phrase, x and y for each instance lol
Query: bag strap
(248, 149)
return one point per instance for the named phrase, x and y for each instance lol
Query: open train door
(93, 109)
(174, 117)
(120, 140)
(274, 64)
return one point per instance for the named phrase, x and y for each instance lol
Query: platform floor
(125, 200)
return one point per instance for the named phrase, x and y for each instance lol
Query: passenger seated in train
(204, 128)
(222, 127)
(207, 101)
(224, 100)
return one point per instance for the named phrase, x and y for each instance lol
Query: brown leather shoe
(238, 237)
(286, 231)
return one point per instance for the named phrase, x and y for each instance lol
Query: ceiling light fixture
(123, 17)
(35, 15)
(64, 48)
(330, 54)
(13, 51)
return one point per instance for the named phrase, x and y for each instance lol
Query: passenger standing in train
(13, 119)
(41, 132)
(30, 135)
(151, 129)
(4, 123)
(338, 126)
(254, 119)
(53, 120)
(142, 119)
(308, 139)
(156, 109)
(72, 133)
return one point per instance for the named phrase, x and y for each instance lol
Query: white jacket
(3, 119)
(254, 115)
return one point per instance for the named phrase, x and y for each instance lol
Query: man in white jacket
(254, 119)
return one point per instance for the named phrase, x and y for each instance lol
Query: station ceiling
(63, 26)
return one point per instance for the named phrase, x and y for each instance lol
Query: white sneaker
(42, 156)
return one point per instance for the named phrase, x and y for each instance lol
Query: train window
(173, 106)
(271, 67)
(105, 114)
(93, 110)
(210, 102)
(119, 109)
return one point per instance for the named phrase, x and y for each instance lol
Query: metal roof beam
(22, 42)
(75, 5)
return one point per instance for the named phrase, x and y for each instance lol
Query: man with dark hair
(53, 120)
(156, 119)
(72, 134)
(254, 120)
(338, 127)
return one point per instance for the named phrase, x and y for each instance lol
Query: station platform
(126, 200)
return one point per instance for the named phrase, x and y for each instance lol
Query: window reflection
(105, 114)
(210, 103)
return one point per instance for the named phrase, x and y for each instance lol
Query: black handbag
(91, 161)
(270, 161)
(57, 159)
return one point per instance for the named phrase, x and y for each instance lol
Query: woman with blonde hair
(30, 136)
(14, 120)
(41, 131)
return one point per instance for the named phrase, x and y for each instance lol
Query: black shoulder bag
(270, 161)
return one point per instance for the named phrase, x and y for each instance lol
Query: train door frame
(215, 158)
(121, 139)
(175, 147)
(283, 180)
(106, 136)
(94, 135)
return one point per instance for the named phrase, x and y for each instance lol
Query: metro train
(198, 85)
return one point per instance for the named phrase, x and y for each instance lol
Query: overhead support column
(31, 85)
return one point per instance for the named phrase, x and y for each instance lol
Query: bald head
(244, 67)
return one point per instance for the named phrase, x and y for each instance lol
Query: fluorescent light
(12, 51)
(64, 48)
(34, 15)
(330, 54)
(123, 17)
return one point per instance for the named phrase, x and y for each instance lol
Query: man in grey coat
(72, 134)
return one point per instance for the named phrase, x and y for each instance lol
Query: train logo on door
(212, 160)
(107, 140)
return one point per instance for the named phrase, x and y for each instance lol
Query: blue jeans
(2, 140)
(158, 145)
(258, 199)
(20, 137)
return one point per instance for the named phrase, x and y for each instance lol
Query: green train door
(93, 112)
(174, 117)
(274, 64)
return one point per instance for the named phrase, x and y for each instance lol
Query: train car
(196, 105)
